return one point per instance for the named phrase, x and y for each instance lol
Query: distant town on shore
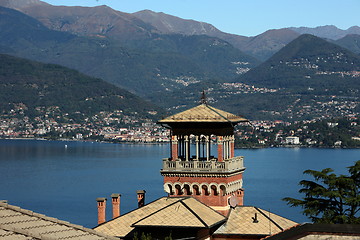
(116, 127)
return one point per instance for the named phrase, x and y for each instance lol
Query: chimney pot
(141, 198)
(101, 205)
(115, 199)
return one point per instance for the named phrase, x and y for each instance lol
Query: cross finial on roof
(203, 97)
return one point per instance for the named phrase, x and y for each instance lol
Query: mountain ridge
(170, 69)
(36, 84)
(327, 31)
(133, 67)
(126, 27)
(307, 62)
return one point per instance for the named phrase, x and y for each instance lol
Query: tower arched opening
(178, 190)
(196, 190)
(205, 190)
(187, 190)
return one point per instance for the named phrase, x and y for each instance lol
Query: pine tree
(330, 198)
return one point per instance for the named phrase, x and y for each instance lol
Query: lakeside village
(118, 127)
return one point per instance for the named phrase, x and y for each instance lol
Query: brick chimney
(101, 205)
(141, 198)
(115, 199)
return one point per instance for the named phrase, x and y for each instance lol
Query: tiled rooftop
(18, 223)
(164, 212)
(203, 113)
(253, 221)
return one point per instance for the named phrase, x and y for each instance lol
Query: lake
(62, 179)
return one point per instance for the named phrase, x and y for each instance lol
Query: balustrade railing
(212, 165)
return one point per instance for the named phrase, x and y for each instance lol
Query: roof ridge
(206, 206)
(136, 209)
(213, 109)
(159, 210)
(195, 214)
(203, 113)
(271, 220)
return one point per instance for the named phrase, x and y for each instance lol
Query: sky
(243, 17)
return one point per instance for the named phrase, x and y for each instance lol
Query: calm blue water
(63, 182)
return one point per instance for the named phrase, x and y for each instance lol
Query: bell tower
(202, 162)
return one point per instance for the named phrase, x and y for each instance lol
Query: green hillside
(351, 42)
(306, 63)
(309, 78)
(38, 85)
(142, 66)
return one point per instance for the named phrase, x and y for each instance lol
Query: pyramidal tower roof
(203, 113)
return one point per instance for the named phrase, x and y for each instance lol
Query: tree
(330, 198)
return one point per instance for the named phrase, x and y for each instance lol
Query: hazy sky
(243, 17)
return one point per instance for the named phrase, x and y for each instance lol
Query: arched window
(178, 190)
(205, 190)
(196, 190)
(222, 190)
(187, 190)
(214, 190)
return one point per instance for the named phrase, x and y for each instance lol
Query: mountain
(17, 4)
(36, 85)
(84, 21)
(169, 24)
(129, 29)
(106, 22)
(172, 68)
(309, 62)
(146, 25)
(308, 78)
(351, 42)
(263, 46)
(143, 66)
(327, 32)
(18, 29)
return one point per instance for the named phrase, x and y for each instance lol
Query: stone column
(101, 205)
(115, 197)
(207, 138)
(186, 147)
(228, 153)
(197, 147)
(174, 148)
(232, 146)
(220, 148)
(225, 147)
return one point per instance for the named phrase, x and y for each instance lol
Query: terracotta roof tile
(122, 225)
(208, 215)
(242, 221)
(175, 215)
(17, 223)
(164, 212)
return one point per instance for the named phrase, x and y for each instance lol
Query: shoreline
(162, 143)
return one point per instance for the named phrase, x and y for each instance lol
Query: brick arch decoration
(234, 186)
(222, 189)
(186, 189)
(205, 191)
(168, 188)
(198, 189)
(178, 188)
(214, 189)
